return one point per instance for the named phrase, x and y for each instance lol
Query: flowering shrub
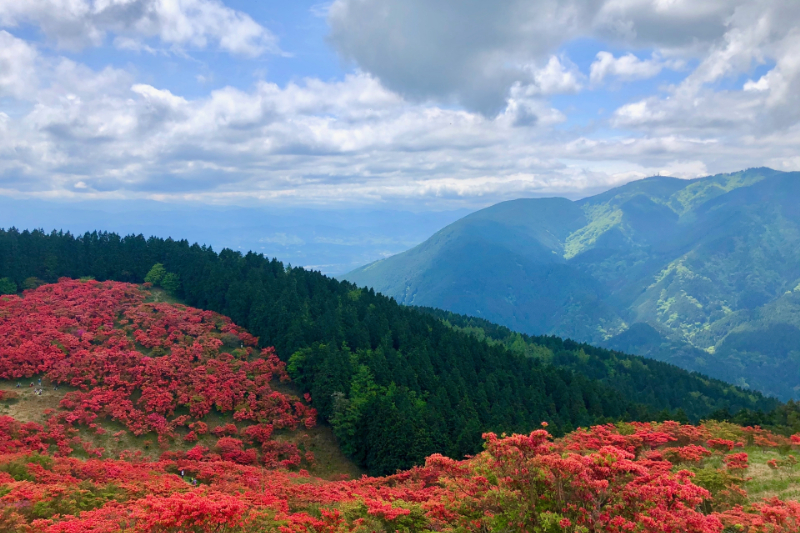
(721, 444)
(8, 395)
(521, 483)
(736, 461)
(140, 363)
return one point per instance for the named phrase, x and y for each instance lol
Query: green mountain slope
(641, 379)
(702, 273)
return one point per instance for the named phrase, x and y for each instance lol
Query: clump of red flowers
(141, 364)
(521, 483)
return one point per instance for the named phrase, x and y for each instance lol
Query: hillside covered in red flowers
(154, 368)
(174, 374)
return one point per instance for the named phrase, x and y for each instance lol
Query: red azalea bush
(736, 461)
(8, 395)
(141, 363)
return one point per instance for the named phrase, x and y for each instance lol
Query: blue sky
(401, 104)
(300, 30)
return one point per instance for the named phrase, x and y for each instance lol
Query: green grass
(765, 482)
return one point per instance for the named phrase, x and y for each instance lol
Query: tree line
(677, 393)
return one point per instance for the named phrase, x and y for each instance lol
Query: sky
(388, 104)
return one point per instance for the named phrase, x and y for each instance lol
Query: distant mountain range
(701, 273)
(333, 241)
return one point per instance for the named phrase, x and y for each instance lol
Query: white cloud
(761, 85)
(471, 53)
(75, 24)
(393, 130)
(159, 98)
(320, 9)
(556, 78)
(684, 27)
(625, 68)
(477, 54)
(100, 134)
(757, 33)
(18, 77)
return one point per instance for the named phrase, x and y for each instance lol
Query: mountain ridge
(696, 260)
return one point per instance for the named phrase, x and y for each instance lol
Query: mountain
(701, 273)
(393, 383)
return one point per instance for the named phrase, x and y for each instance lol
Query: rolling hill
(701, 273)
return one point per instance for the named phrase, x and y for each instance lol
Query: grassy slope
(783, 482)
(505, 264)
